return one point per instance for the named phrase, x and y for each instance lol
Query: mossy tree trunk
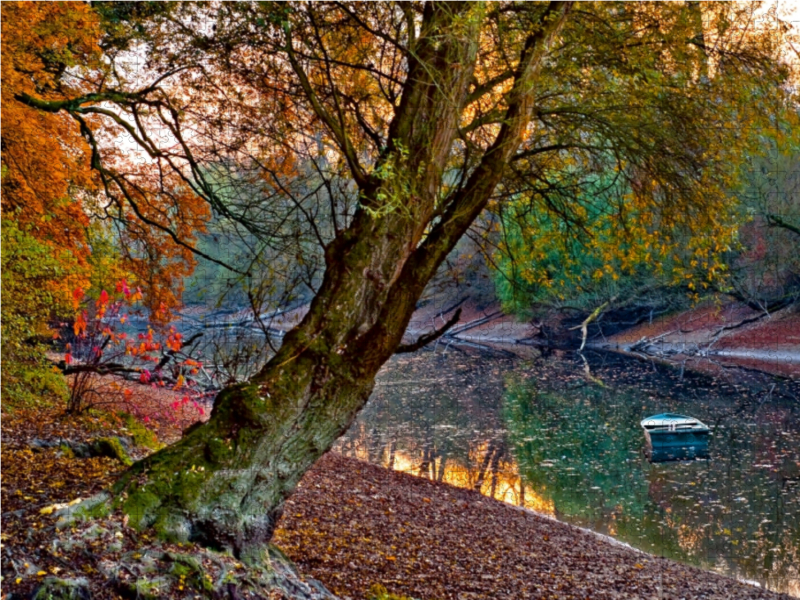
(224, 483)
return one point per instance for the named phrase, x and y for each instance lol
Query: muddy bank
(714, 338)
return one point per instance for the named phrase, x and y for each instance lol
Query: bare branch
(426, 339)
(337, 129)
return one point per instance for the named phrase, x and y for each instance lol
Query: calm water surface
(561, 436)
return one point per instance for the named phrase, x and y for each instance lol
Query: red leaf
(80, 324)
(77, 296)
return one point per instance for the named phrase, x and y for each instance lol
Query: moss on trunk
(224, 483)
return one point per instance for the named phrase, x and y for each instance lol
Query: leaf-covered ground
(51, 539)
(351, 525)
(35, 479)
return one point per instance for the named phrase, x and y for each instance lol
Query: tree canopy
(281, 118)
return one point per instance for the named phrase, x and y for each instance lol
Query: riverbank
(351, 525)
(714, 337)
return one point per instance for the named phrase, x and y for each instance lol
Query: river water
(560, 435)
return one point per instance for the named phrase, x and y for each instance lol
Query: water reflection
(545, 435)
(697, 451)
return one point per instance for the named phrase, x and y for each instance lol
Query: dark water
(562, 436)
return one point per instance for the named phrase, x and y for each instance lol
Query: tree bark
(225, 482)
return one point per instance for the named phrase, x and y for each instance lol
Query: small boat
(667, 430)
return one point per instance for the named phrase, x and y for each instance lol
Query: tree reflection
(544, 436)
(440, 418)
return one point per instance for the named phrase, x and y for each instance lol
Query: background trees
(59, 230)
(765, 271)
(45, 174)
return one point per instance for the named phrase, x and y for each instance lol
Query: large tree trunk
(224, 483)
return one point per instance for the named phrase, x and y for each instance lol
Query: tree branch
(106, 369)
(337, 129)
(426, 339)
(377, 33)
(171, 353)
(469, 201)
(777, 221)
(584, 326)
(119, 181)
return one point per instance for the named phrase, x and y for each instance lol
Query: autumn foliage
(46, 168)
(105, 356)
(358, 143)
(51, 184)
(61, 230)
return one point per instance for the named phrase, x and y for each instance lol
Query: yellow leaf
(58, 506)
(41, 573)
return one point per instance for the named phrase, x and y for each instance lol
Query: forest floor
(350, 525)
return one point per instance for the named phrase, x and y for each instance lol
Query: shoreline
(713, 338)
(352, 524)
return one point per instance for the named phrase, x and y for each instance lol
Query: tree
(400, 123)
(98, 348)
(43, 164)
(766, 272)
(539, 264)
(44, 158)
(29, 300)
